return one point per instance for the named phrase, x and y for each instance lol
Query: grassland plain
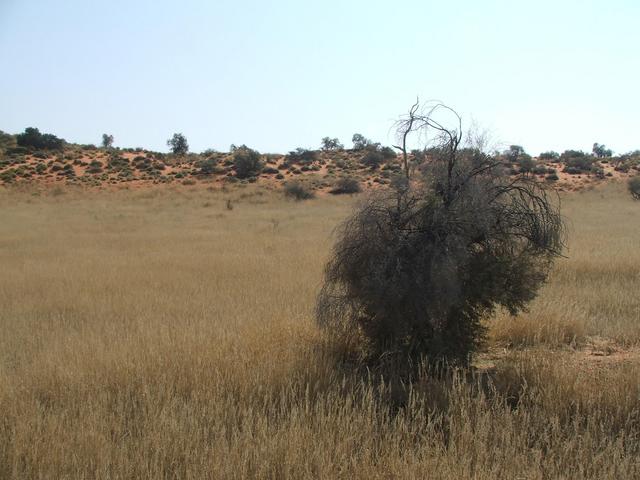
(163, 334)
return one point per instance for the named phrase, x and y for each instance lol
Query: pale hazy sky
(283, 74)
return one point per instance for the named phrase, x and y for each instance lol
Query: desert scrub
(298, 191)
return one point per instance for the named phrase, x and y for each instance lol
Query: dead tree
(416, 270)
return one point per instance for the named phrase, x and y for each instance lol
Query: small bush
(634, 187)
(540, 170)
(525, 163)
(298, 191)
(372, 159)
(94, 167)
(576, 162)
(345, 185)
(208, 166)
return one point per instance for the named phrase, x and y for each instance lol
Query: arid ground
(169, 333)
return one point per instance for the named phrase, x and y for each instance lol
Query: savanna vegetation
(170, 333)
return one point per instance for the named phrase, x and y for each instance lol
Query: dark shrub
(117, 163)
(345, 185)
(525, 163)
(17, 151)
(301, 156)
(246, 162)
(634, 187)
(8, 176)
(270, 171)
(372, 159)
(415, 271)
(94, 167)
(208, 166)
(540, 170)
(298, 191)
(549, 156)
(576, 162)
(32, 138)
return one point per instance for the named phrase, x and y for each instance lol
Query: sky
(277, 75)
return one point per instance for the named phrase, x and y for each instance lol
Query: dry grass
(158, 334)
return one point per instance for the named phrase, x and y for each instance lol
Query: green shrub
(246, 162)
(298, 191)
(208, 166)
(525, 163)
(550, 156)
(345, 185)
(95, 167)
(576, 162)
(8, 176)
(32, 138)
(301, 156)
(372, 159)
(17, 151)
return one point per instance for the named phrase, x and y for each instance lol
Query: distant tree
(513, 153)
(107, 141)
(601, 151)
(360, 142)
(329, 144)
(246, 162)
(178, 144)
(526, 163)
(300, 155)
(551, 156)
(32, 138)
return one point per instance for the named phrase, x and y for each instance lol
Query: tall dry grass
(158, 334)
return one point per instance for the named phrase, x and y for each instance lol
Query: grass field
(161, 334)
